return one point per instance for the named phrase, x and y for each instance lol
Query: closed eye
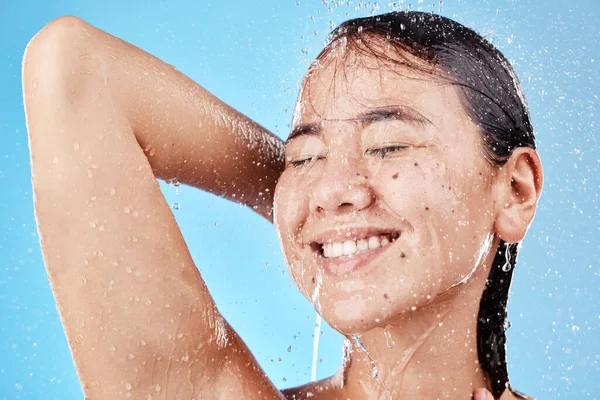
(383, 151)
(305, 161)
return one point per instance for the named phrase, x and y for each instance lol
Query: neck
(427, 353)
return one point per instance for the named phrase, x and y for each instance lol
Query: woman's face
(386, 199)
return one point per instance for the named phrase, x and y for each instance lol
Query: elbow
(57, 60)
(51, 41)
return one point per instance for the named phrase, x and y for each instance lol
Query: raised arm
(104, 120)
(185, 131)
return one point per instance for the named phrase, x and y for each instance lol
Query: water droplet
(175, 206)
(506, 267)
(157, 387)
(131, 356)
(289, 349)
(126, 210)
(389, 342)
(128, 269)
(128, 386)
(92, 224)
(76, 146)
(55, 160)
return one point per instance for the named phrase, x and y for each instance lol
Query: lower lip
(343, 265)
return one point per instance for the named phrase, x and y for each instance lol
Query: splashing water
(389, 342)
(175, 183)
(484, 250)
(374, 370)
(318, 319)
(313, 373)
(507, 267)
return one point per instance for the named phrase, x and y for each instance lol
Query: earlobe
(521, 185)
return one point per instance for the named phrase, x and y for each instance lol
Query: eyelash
(381, 152)
(304, 161)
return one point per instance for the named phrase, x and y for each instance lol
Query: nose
(342, 190)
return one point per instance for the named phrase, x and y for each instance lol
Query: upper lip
(349, 233)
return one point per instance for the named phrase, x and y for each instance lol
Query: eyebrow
(388, 113)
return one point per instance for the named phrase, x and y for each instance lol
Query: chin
(364, 310)
(355, 315)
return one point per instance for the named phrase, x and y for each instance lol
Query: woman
(410, 165)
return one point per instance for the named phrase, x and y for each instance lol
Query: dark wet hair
(492, 96)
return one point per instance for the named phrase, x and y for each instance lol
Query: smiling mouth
(352, 247)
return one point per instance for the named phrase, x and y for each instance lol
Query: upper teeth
(349, 247)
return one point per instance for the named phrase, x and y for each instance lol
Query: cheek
(291, 210)
(445, 205)
(289, 204)
(416, 188)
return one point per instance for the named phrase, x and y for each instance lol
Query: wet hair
(491, 96)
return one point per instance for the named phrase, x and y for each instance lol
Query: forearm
(186, 132)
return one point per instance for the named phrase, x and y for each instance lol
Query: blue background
(252, 55)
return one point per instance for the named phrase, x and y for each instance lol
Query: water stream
(374, 370)
(316, 335)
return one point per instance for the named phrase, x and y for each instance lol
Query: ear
(520, 185)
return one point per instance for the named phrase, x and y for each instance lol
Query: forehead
(340, 86)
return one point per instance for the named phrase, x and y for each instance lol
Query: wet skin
(426, 180)
(137, 315)
(380, 150)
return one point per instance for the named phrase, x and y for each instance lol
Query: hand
(482, 394)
